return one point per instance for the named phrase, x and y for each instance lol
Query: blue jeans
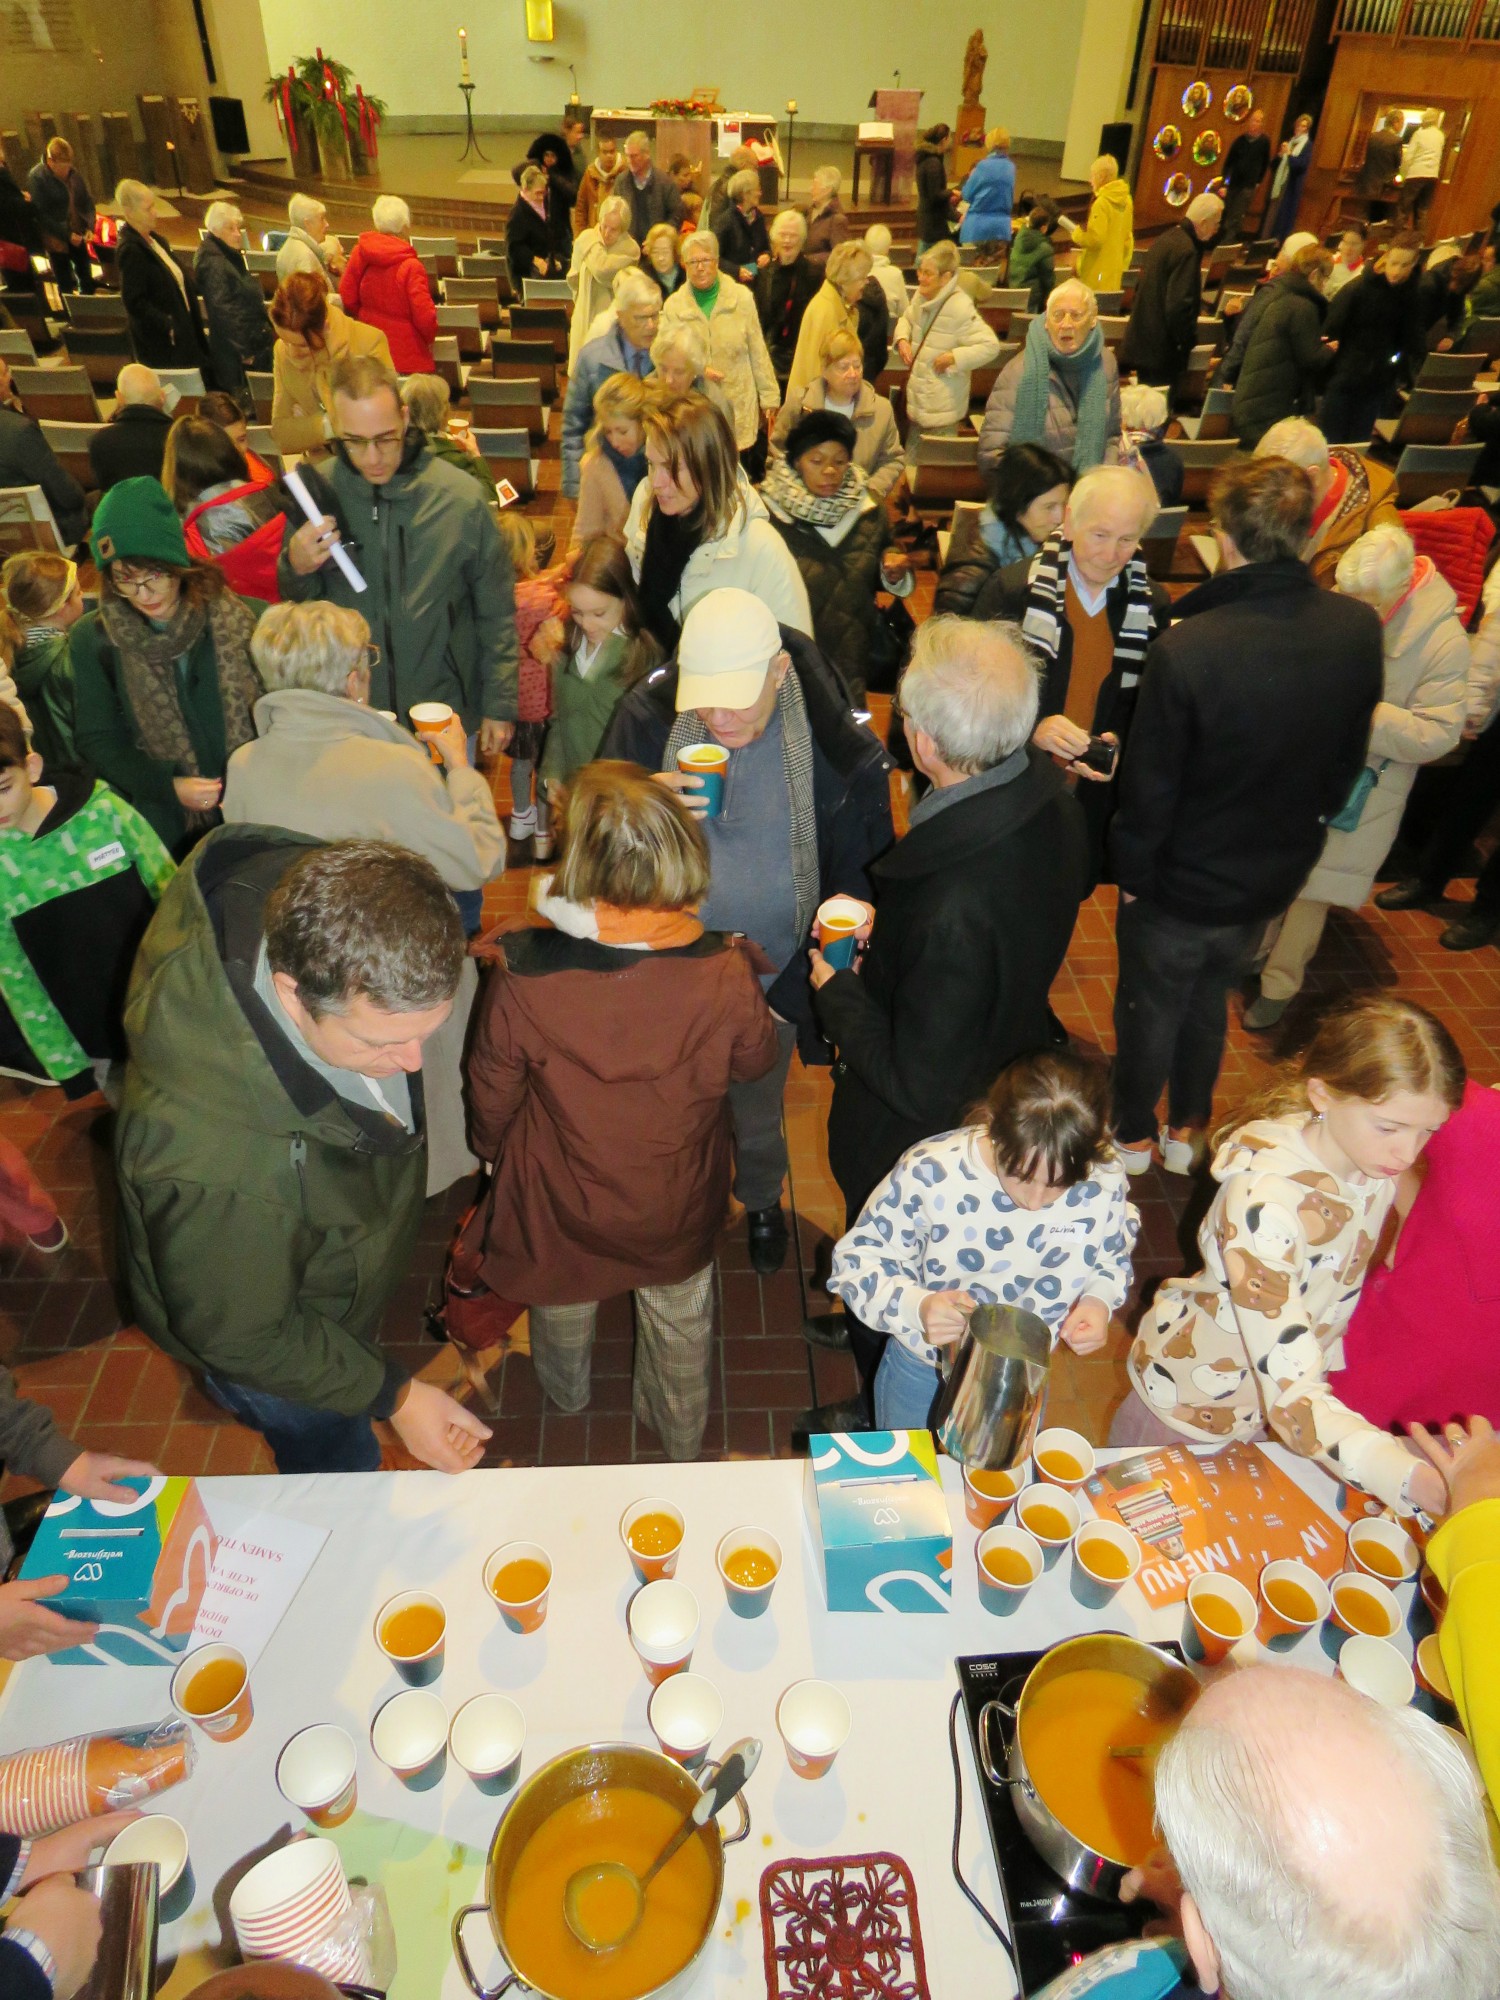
(905, 1389)
(302, 1439)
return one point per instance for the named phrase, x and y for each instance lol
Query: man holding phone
(1087, 605)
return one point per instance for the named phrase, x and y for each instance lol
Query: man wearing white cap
(1168, 297)
(1281, 263)
(805, 808)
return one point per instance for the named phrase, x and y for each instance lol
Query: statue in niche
(976, 55)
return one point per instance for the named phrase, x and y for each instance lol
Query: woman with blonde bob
(614, 461)
(835, 308)
(1307, 1176)
(598, 1078)
(696, 524)
(661, 257)
(1419, 717)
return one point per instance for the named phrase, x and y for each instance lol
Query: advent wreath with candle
(330, 125)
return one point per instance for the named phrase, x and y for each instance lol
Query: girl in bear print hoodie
(1025, 1206)
(1245, 1347)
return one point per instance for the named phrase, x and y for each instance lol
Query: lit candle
(463, 55)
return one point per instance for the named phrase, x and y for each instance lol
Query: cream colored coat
(951, 324)
(1418, 718)
(736, 347)
(591, 274)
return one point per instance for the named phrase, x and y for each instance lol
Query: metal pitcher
(125, 1968)
(993, 1394)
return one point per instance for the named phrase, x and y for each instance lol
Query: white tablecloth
(579, 1680)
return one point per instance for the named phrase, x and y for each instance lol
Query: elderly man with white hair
(134, 441)
(652, 195)
(1062, 391)
(1351, 493)
(385, 286)
(1169, 297)
(161, 301)
(310, 245)
(1419, 717)
(973, 911)
(240, 334)
(1318, 1846)
(1087, 605)
(622, 349)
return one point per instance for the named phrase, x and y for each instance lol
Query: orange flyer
(1230, 1510)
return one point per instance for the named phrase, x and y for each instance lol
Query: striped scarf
(796, 750)
(1046, 609)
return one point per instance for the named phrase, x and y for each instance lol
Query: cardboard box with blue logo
(879, 1522)
(138, 1571)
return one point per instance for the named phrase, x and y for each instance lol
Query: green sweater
(44, 680)
(442, 446)
(581, 709)
(107, 738)
(265, 1221)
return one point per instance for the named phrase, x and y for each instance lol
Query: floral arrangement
(681, 107)
(319, 96)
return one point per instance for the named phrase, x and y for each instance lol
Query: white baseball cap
(728, 642)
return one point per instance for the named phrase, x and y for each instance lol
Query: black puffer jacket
(1285, 360)
(1164, 318)
(1378, 327)
(934, 210)
(240, 333)
(841, 584)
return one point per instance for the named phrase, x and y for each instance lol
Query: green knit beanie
(136, 522)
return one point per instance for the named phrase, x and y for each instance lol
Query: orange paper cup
(1277, 1625)
(650, 1542)
(989, 1496)
(1220, 1612)
(516, 1567)
(230, 1714)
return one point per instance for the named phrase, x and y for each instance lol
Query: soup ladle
(604, 1902)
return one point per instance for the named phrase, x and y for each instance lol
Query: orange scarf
(656, 930)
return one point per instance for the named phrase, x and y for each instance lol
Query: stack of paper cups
(288, 1905)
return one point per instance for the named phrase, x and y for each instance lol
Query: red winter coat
(385, 286)
(1458, 541)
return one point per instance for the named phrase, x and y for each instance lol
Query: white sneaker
(1183, 1156)
(1134, 1159)
(523, 824)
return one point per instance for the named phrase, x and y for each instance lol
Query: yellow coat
(826, 313)
(1106, 242)
(1464, 1556)
(301, 395)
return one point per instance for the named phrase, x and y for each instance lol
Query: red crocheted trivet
(842, 1927)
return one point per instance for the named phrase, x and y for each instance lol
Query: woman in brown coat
(598, 1085)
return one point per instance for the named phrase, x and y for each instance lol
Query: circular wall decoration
(1239, 102)
(1196, 100)
(1167, 143)
(1206, 147)
(1178, 190)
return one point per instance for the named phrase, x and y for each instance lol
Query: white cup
(1376, 1668)
(663, 1620)
(410, 1737)
(685, 1713)
(486, 1740)
(316, 1773)
(814, 1721)
(155, 1838)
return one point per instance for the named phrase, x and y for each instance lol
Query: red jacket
(1424, 1342)
(250, 562)
(385, 285)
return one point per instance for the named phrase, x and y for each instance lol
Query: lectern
(901, 109)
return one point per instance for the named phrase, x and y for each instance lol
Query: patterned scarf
(1082, 374)
(783, 489)
(148, 663)
(1046, 608)
(796, 751)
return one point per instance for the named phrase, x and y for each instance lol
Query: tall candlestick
(463, 55)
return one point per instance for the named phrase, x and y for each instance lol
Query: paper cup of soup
(486, 1741)
(814, 1721)
(1360, 1604)
(707, 762)
(749, 1562)
(164, 1840)
(1105, 1558)
(685, 1714)
(410, 1737)
(663, 1620)
(1051, 1514)
(287, 1903)
(411, 1629)
(429, 717)
(1376, 1668)
(989, 1496)
(518, 1577)
(1007, 1563)
(1436, 1698)
(652, 1532)
(1293, 1600)
(837, 920)
(212, 1689)
(316, 1773)
(1384, 1550)
(1062, 1457)
(1220, 1612)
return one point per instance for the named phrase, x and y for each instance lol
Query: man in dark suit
(1382, 163)
(160, 299)
(1245, 167)
(132, 443)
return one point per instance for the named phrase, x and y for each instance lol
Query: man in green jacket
(271, 1147)
(440, 601)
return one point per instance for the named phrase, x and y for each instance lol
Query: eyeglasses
(1060, 316)
(368, 660)
(138, 580)
(358, 447)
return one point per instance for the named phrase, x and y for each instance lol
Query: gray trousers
(760, 1160)
(674, 1342)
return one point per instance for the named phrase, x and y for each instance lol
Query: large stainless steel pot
(993, 1395)
(1079, 1865)
(590, 1769)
